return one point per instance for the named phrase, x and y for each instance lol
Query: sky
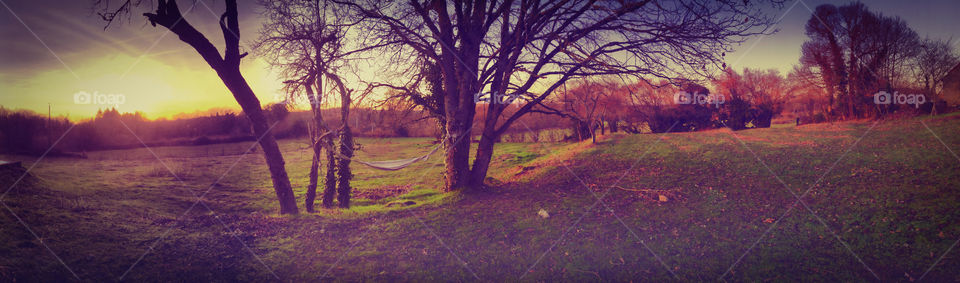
(56, 53)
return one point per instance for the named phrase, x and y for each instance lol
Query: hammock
(386, 165)
(393, 165)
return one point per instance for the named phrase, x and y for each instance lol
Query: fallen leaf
(543, 213)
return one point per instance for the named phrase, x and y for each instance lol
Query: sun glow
(146, 84)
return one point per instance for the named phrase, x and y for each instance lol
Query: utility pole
(47, 126)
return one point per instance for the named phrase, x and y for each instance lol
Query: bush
(736, 114)
(762, 117)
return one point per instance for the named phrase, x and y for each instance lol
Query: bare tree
(531, 48)
(293, 39)
(310, 42)
(227, 66)
(584, 103)
(935, 59)
(765, 90)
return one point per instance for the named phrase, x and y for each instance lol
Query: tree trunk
(460, 110)
(456, 158)
(271, 151)
(593, 133)
(319, 129)
(346, 143)
(321, 142)
(481, 162)
(228, 69)
(330, 180)
(314, 168)
(343, 167)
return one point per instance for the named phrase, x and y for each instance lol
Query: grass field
(880, 201)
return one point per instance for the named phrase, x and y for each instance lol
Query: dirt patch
(523, 169)
(382, 192)
(401, 203)
(504, 157)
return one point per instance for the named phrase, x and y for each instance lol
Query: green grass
(892, 199)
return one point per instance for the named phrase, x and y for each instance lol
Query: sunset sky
(52, 50)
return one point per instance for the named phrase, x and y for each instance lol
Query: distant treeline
(31, 133)
(28, 132)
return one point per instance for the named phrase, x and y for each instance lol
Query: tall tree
(529, 48)
(345, 142)
(227, 67)
(856, 52)
(935, 59)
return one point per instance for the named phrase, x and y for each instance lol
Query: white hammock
(386, 165)
(393, 165)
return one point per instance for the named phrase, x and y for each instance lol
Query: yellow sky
(52, 51)
(156, 88)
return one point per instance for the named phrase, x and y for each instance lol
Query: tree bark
(456, 158)
(481, 162)
(343, 167)
(330, 180)
(344, 173)
(603, 128)
(314, 168)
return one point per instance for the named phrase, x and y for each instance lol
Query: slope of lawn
(880, 199)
